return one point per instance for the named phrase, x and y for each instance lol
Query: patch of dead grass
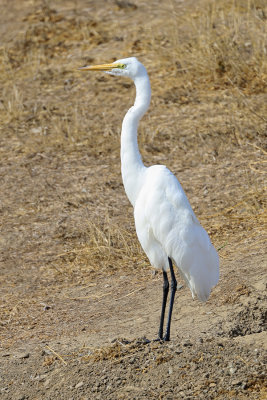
(221, 44)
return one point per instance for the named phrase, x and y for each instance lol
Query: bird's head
(129, 67)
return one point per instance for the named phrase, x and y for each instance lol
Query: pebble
(23, 355)
(187, 342)
(232, 370)
(47, 382)
(41, 378)
(143, 340)
(95, 388)
(236, 382)
(79, 385)
(45, 352)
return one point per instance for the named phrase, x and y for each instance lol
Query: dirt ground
(80, 304)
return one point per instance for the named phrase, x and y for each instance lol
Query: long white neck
(132, 167)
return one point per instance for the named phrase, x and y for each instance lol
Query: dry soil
(80, 304)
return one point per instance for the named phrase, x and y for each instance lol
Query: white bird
(166, 225)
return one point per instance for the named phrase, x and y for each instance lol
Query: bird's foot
(158, 339)
(162, 338)
(166, 338)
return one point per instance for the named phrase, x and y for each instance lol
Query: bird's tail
(204, 276)
(201, 275)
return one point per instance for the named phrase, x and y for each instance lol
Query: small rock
(23, 355)
(47, 382)
(232, 370)
(41, 378)
(96, 387)
(170, 370)
(236, 382)
(36, 130)
(143, 340)
(212, 384)
(79, 385)
(187, 342)
(45, 352)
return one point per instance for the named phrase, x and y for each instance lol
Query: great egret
(166, 225)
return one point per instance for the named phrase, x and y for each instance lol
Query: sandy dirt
(79, 302)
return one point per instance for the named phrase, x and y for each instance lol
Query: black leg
(164, 301)
(173, 290)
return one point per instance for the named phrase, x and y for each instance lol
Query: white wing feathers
(167, 227)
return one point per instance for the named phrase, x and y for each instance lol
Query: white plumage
(166, 225)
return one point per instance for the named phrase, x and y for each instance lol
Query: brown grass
(64, 209)
(220, 45)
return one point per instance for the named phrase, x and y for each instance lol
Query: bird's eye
(121, 66)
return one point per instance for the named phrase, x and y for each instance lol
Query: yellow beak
(102, 67)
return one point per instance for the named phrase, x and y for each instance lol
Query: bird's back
(167, 227)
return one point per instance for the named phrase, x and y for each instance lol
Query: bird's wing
(166, 206)
(174, 225)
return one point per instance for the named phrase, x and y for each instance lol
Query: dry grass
(63, 208)
(221, 45)
(73, 274)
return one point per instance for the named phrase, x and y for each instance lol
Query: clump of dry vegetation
(221, 44)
